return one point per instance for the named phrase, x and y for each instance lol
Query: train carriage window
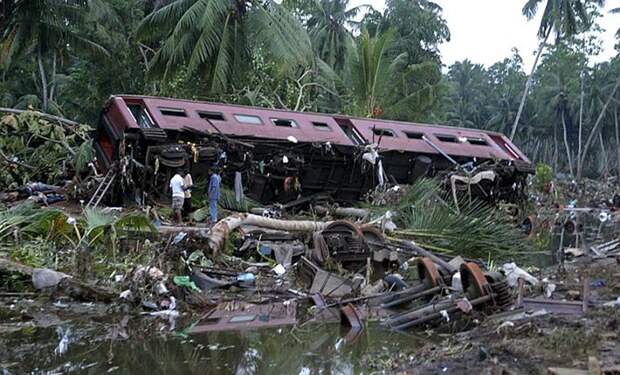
(383, 132)
(141, 116)
(321, 126)
(414, 135)
(175, 112)
(477, 141)
(447, 138)
(249, 119)
(213, 116)
(284, 123)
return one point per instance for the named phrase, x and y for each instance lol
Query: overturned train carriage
(284, 155)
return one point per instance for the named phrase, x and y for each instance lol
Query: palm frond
(475, 229)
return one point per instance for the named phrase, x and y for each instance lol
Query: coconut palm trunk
(568, 153)
(595, 129)
(528, 85)
(43, 78)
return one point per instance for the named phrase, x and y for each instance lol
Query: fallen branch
(9, 161)
(44, 115)
(221, 230)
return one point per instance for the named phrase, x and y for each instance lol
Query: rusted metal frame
(415, 312)
(412, 297)
(436, 315)
(353, 317)
(344, 281)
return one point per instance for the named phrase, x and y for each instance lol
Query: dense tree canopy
(67, 57)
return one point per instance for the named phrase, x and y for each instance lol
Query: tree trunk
(605, 159)
(617, 143)
(555, 148)
(53, 84)
(528, 84)
(221, 230)
(599, 120)
(568, 154)
(43, 80)
(580, 122)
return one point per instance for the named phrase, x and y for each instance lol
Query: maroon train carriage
(283, 155)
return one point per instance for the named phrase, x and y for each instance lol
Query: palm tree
(384, 85)
(327, 27)
(561, 16)
(218, 37)
(468, 94)
(370, 71)
(48, 30)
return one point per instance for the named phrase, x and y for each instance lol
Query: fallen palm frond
(228, 201)
(30, 222)
(474, 229)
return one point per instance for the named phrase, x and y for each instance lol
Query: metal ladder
(103, 188)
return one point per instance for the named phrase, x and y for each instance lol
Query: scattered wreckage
(281, 156)
(348, 272)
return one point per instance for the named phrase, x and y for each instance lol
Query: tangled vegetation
(33, 148)
(427, 215)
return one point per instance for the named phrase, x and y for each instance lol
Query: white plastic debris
(279, 270)
(514, 273)
(549, 289)
(63, 344)
(371, 157)
(444, 314)
(171, 313)
(284, 159)
(126, 294)
(43, 278)
(456, 282)
(179, 237)
(604, 216)
(387, 223)
(615, 303)
(71, 220)
(505, 325)
(161, 288)
(292, 139)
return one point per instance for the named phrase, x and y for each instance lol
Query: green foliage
(544, 176)
(216, 37)
(327, 27)
(229, 202)
(29, 222)
(37, 148)
(427, 215)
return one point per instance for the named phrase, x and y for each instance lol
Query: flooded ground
(114, 346)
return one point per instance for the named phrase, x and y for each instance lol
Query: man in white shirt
(177, 187)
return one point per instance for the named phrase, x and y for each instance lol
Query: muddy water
(90, 346)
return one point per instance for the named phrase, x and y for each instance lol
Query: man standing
(187, 203)
(214, 194)
(177, 187)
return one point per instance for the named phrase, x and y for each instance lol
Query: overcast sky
(485, 31)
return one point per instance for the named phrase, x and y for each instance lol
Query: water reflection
(320, 349)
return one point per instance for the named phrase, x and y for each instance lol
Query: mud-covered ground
(531, 345)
